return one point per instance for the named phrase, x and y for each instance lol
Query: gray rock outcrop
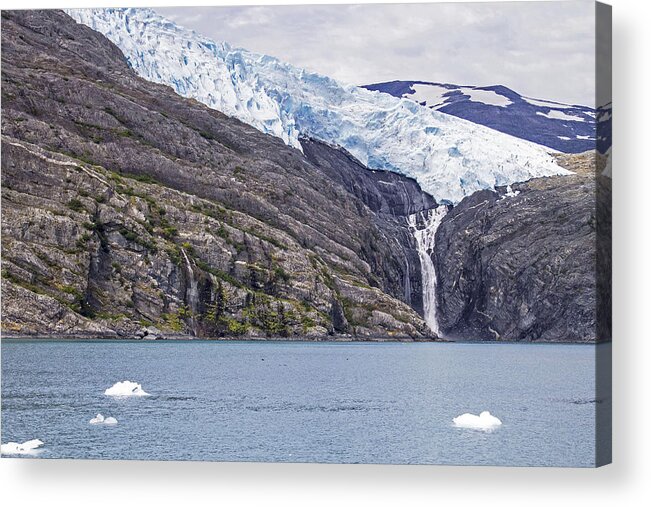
(126, 206)
(524, 267)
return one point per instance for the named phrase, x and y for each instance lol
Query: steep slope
(126, 205)
(531, 262)
(563, 127)
(384, 192)
(449, 157)
(396, 202)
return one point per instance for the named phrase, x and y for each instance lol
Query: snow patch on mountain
(431, 96)
(559, 115)
(485, 96)
(563, 127)
(436, 96)
(449, 157)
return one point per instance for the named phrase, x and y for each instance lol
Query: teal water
(303, 402)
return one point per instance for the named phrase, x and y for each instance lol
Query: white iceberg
(100, 419)
(484, 421)
(26, 448)
(126, 388)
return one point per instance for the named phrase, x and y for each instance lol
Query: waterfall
(407, 282)
(425, 239)
(191, 292)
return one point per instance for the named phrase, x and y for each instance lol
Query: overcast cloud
(539, 49)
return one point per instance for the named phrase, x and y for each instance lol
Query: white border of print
(119, 484)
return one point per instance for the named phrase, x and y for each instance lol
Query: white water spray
(424, 230)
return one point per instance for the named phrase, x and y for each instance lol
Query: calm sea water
(303, 402)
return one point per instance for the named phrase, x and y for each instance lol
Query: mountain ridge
(569, 128)
(126, 205)
(449, 157)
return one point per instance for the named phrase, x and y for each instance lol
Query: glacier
(448, 156)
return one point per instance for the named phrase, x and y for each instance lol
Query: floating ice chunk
(100, 419)
(126, 388)
(26, 448)
(484, 421)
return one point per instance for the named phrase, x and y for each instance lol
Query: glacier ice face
(448, 156)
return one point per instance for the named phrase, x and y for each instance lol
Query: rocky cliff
(125, 205)
(392, 198)
(531, 262)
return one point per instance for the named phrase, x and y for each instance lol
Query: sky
(539, 49)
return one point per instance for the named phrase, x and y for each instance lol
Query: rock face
(523, 264)
(384, 192)
(126, 206)
(129, 211)
(392, 198)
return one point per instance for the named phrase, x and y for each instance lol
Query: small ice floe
(126, 388)
(29, 448)
(484, 421)
(100, 419)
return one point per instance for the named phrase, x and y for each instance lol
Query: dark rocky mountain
(391, 197)
(126, 205)
(564, 127)
(531, 263)
(384, 192)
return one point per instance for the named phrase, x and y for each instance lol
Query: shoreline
(189, 338)
(319, 339)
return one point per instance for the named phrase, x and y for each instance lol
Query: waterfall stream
(407, 282)
(192, 292)
(423, 226)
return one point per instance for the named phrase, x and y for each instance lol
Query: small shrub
(222, 232)
(128, 234)
(76, 205)
(170, 232)
(236, 327)
(281, 274)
